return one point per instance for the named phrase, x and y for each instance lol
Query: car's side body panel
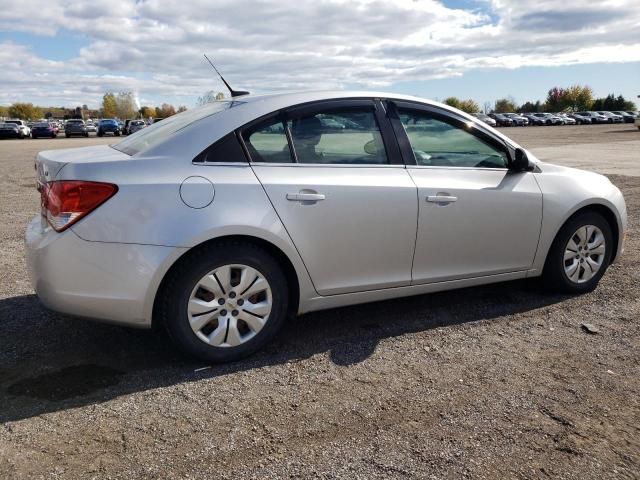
(492, 227)
(361, 236)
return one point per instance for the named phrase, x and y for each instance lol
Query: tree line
(575, 98)
(124, 105)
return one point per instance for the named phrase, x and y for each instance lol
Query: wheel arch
(291, 275)
(608, 214)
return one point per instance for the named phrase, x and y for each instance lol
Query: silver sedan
(220, 222)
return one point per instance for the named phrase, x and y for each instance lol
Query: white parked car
(22, 126)
(566, 119)
(219, 222)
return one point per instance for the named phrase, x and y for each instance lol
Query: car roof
(195, 137)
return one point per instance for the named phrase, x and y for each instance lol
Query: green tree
(505, 105)
(125, 105)
(3, 111)
(182, 108)
(452, 102)
(611, 102)
(469, 106)
(109, 105)
(577, 97)
(555, 101)
(24, 111)
(527, 107)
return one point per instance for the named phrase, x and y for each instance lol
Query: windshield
(158, 132)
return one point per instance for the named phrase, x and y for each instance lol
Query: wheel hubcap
(584, 254)
(229, 305)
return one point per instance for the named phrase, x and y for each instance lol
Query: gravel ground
(493, 382)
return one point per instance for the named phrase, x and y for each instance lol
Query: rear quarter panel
(148, 208)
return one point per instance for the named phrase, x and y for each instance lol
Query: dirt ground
(492, 382)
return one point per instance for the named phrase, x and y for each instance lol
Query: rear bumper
(111, 282)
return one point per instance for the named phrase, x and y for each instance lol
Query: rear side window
(347, 136)
(227, 149)
(267, 142)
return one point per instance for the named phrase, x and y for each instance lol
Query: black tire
(554, 276)
(117, 134)
(33, 136)
(99, 134)
(171, 307)
(67, 136)
(86, 135)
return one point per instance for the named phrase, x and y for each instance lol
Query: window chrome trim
(330, 165)
(446, 167)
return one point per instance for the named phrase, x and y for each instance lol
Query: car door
(476, 217)
(334, 174)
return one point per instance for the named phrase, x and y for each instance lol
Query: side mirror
(520, 162)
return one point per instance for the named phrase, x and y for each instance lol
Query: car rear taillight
(64, 202)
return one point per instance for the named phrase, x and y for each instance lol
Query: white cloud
(155, 47)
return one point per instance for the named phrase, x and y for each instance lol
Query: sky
(69, 53)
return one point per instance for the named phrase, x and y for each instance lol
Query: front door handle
(305, 197)
(442, 199)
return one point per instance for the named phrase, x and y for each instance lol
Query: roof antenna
(234, 93)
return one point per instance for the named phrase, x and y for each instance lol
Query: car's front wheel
(580, 254)
(224, 301)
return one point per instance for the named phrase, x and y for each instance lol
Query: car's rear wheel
(580, 254)
(224, 301)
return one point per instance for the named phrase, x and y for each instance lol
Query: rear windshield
(159, 132)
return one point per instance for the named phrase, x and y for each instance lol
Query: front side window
(345, 136)
(436, 142)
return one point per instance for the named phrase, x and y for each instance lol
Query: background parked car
(43, 129)
(626, 116)
(567, 119)
(10, 130)
(485, 118)
(594, 116)
(580, 119)
(549, 119)
(501, 120)
(136, 125)
(637, 122)
(533, 120)
(612, 118)
(91, 127)
(75, 127)
(22, 125)
(518, 120)
(109, 126)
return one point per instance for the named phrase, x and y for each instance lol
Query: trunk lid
(50, 162)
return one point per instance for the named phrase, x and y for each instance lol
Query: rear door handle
(441, 199)
(305, 197)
